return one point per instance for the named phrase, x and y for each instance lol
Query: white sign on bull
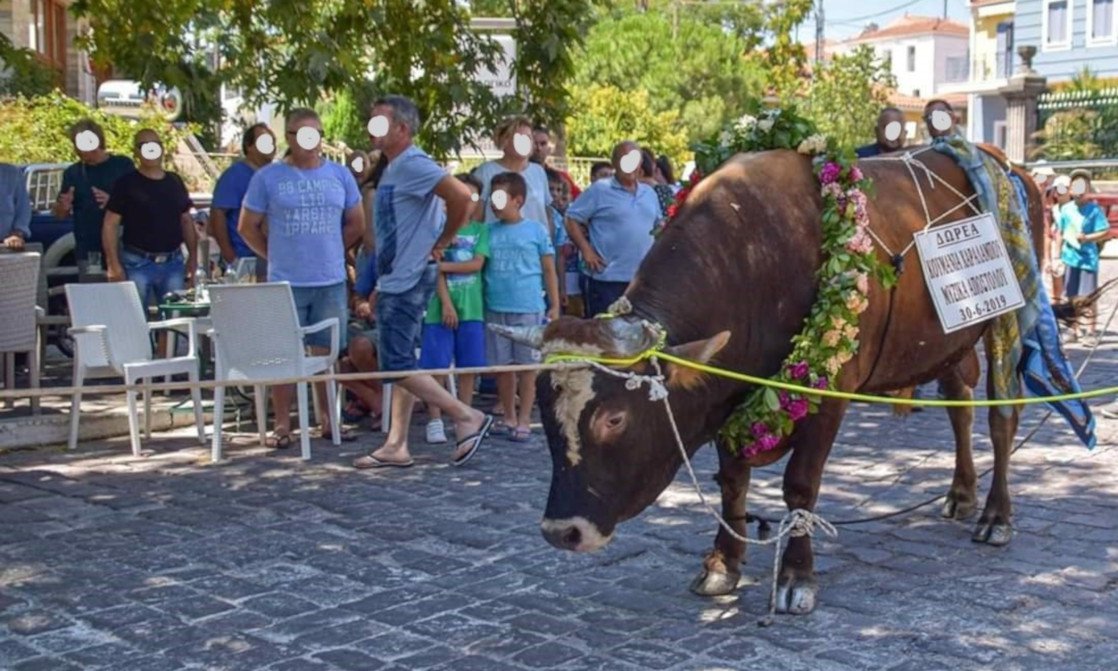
(968, 272)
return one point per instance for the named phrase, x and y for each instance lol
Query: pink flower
(759, 429)
(798, 370)
(831, 338)
(855, 174)
(797, 409)
(766, 443)
(821, 383)
(862, 283)
(860, 243)
(833, 190)
(830, 173)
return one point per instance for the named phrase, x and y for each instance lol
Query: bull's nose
(567, 537)
(577, 534)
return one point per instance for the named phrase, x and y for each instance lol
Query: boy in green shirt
(454, 328)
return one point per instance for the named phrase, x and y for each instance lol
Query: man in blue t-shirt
(890, 134)
(259, 148)
(612, 223)
(311, 206)
(412, 231)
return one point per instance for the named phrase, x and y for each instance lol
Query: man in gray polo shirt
(612, 224)
(15, 208)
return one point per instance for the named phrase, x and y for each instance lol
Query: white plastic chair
(257, 336)
(19, 329)
(113, 339)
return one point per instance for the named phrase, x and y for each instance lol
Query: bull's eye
(615, 421)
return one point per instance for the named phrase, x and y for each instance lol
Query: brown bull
(731, 280)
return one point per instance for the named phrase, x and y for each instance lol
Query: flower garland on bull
(829, 338)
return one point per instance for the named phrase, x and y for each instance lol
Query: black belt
(154, 257)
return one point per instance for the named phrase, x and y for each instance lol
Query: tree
(690, 66)
(602, 116)
(785, 56)
(847, 94)
(295, 52)
(26, 75)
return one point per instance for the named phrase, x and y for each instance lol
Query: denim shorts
(314, 304)
(400, 322)
(154, 280)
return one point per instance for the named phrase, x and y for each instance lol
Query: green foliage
(1070, 135)
(35, 130)
(785, 56)
(342, 120)
(26, 74)
(548, 34)
(847, 94)
(605, 115)
(297, 52)
(689, 64)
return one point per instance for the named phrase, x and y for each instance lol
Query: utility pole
(819, 31)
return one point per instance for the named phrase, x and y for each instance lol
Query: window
(1001, 135)
(1100, 22)
(1056, 25)
(956, 69)
(49, 31)
(912, 59)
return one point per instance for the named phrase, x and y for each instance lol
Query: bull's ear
(699, 351)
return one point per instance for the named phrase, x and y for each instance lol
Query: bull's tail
(1073, 310)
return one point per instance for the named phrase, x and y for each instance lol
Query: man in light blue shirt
(412, 231)
(620, 215)
(15, 208)
(306, 200)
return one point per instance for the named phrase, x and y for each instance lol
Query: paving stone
(547, 655)
(35, 622)
(279, 605)
(349, 659)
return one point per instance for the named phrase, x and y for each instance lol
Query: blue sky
(844, 18)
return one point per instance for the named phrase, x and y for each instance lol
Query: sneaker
(436, 432)
(1110, 413)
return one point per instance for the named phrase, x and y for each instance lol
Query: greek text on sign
(968, 272)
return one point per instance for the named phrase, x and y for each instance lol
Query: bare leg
(506, 395)
(526, 385)
(433, 411)
(281, 406)
(466, 388)
(811, 444)
(722, 565)
(467, 421)
(321, 410)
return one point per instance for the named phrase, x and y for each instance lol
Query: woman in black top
(154, 208)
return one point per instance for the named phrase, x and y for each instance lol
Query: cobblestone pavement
(266, 562)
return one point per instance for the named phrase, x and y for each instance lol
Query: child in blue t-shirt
(570, 288)
(521, 263)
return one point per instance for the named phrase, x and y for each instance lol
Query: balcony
(991, 66)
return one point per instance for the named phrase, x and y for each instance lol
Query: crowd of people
(416, 261)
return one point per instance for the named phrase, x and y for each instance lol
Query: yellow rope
(657, 353)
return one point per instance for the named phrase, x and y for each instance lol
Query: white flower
(816, 144)
(726, 138)
(765, 125)
(746, 122)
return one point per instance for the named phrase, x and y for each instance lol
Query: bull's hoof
(959, 507)
(797, 596)
(992, 533)
(715, 583)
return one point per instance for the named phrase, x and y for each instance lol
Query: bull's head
(612, 448)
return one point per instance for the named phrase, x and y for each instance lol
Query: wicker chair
(19, 331)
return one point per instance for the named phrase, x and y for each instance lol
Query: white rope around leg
(796, 523)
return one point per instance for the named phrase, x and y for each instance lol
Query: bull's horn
(631, 337)
(531, 336)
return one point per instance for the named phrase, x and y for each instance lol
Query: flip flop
(369, 461)
(345, 437)
(478, 439)
(278, 441)
(519, 435)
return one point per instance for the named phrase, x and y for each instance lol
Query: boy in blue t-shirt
(521, 263)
